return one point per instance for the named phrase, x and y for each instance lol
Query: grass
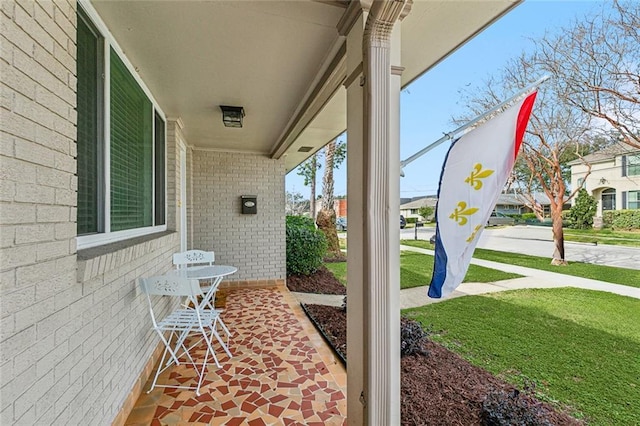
(339, 270)
(580, 348)
(610, 274)
(416, 270)
(603, 236)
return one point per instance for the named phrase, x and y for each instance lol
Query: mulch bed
(441, 388)
(322, 281)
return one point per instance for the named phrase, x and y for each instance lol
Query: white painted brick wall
(74, 334)
(255, 244)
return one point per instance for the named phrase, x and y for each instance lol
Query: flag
(474, 173)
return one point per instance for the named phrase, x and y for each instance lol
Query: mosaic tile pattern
(282, 372)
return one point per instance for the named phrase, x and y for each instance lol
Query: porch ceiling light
(232, 115)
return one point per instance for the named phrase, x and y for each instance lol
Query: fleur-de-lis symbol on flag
(476, 174)
(474, 233)
(461, 211)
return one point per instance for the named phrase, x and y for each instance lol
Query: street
(538, 241)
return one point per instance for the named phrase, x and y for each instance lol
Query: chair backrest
(170, 285)
(192, 257)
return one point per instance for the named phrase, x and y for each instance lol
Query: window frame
(105, 235)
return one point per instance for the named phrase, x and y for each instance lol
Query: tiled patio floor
(282, 372)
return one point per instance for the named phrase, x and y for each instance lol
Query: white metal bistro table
(214, 273)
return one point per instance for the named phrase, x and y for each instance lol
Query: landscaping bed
(440, 387)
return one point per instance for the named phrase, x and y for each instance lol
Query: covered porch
(117, 157)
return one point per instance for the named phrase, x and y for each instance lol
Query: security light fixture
(232, 115)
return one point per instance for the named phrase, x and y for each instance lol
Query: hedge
(621, 219)
(306, 246)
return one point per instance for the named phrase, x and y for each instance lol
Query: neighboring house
(114, 156)
(412, 208)
(516, 203)
(614, 180)
(340, 207)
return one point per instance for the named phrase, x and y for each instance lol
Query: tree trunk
(558, 234)
(327, 181)
(326, 222)
(326, 219)
(312, 200)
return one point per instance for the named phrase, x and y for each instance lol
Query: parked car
(498, 218)
(403, 222)
(341, 224)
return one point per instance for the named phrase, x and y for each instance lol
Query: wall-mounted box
(249, 204)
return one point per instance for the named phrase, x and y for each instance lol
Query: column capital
(382, 17)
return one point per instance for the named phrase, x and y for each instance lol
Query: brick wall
(74, 331)
(253, 243)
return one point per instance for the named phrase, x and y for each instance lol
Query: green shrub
(306, 248)
(580, 216)
(303, 221)
(528, 216)
(412, 220)
(607, 218)
(626, 219)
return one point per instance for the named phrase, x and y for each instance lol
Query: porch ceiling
(283, 61)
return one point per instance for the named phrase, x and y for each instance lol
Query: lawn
(580, 348)
(610, 274)
(416, 270)
(603, 236)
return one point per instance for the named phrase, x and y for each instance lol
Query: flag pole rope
(451, 135)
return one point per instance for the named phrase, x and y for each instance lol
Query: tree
(582, 212)
(554, 132)
(308, 170)
(334, 155)
(426, 212)
(597, 63)
(295, 204)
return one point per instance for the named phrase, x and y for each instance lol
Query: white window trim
(107, 237)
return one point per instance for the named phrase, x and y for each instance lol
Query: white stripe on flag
(474, 173)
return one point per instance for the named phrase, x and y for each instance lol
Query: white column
(373, 323)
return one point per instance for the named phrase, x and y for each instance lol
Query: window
(633, 165)
(633, 200)
(121, 178)
(89, 93)
(609, 199)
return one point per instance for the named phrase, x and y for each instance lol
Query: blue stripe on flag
(440, 258)
(439, 271)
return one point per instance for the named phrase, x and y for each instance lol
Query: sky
(429, 103)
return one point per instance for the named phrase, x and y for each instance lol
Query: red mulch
(440, 388)
(322, 281)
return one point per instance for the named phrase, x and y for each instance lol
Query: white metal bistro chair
(192, 258)
(176, 327)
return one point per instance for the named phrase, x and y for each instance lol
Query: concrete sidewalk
(532, 278)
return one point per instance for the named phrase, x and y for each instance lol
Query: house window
(633, 200)
(633, 165)
(609, 199)
(580, 182)
(121, 178)
(89, 128)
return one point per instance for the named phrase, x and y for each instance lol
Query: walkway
(532, 278)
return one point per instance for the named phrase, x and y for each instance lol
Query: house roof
(416, 204)
(606, 154)
(283, 61)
